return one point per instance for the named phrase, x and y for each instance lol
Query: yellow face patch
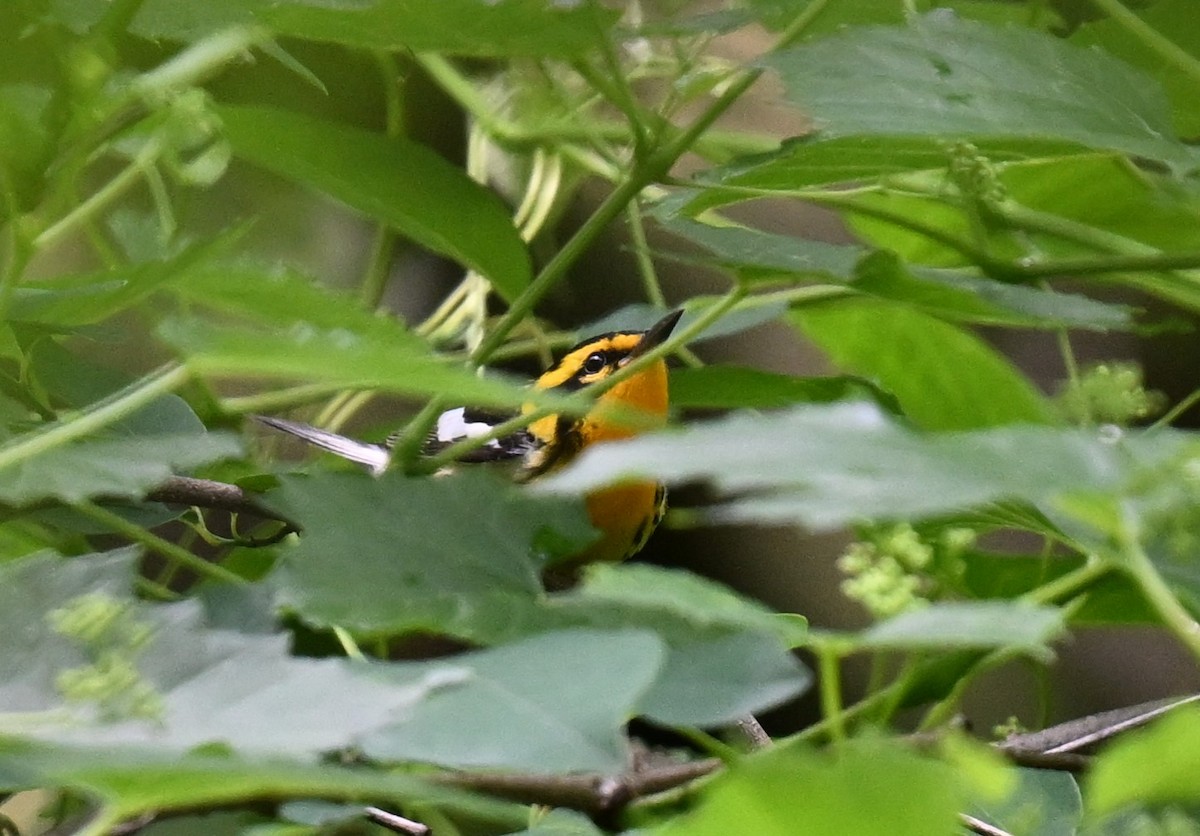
(590, 362)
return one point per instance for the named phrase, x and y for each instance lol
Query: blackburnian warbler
(626, 514)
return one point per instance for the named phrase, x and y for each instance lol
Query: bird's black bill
(658, 333)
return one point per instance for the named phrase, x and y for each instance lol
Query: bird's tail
(374, 456)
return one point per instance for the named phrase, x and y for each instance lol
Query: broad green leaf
(396, 180)
(1155, 765)
(1084, 206)
(944, 378)
(948, 294)
(962, 297)
(827, 465)
(552, 703)
(678, 605)
(857, 789)
(752, 253)
(968, 624)
(131, 781)
(1044, 803)
(303, 352)
(100, 668)
(941, 76)
(733, 387)
(457, 555)
(71, 301)
(835, 16)
(280, 298)
(712, 682)
(1173, 19)
(119, 467)
(464, 27)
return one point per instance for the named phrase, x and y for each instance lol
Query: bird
(626, 514)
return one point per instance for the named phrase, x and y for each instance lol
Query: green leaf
(941, 76)
(72, 301)
(678, 605)
(733, 387)
(713, 682)
(181, 685)
(335, 356)
(124, 467)
(857, 789)
(1155, 765)
(952, 295)
(396, 180)
(964, 298)
(132, 781)
(552, 703)
(1173, 20)
(461, 27)
(1044, 803)
(943, 377)
(753, 253)
(281, 297)
(457, 555)
(828, 465)
(968, 624)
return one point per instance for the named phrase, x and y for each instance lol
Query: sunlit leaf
(860, 788)
(1156, 765)
(1173, 20)
(464, 27)
(945, 378)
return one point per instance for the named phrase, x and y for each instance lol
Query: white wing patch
(452, 425)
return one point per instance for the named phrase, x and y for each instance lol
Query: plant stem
(1169, 417)
(153, 542)
(641, 253)
(1143, 571)
(829, 674)
(1071, 584)
(110, 192)
(94, 417)
(1155, 41)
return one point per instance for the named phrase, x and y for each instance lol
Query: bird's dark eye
(595, 363)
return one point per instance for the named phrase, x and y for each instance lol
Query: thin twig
(981, 827)
(753, 731)
(396, 823)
